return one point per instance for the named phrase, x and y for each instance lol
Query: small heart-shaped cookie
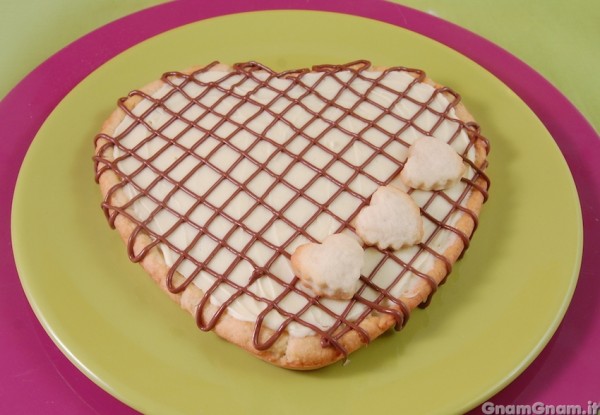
(332, 268)
(392, 220)
(432, 164)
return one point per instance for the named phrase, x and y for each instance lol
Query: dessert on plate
(297, 214)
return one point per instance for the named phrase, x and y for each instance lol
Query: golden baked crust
(288, 351)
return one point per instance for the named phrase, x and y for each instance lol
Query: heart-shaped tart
(226, 182)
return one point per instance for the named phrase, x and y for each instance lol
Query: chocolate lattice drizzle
(255, 77)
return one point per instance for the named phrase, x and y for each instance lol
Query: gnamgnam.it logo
(540, 408)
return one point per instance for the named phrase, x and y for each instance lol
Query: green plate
(495, 314)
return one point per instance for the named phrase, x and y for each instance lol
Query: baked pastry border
(301, 353)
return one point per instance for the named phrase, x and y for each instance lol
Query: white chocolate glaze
(177, 162)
